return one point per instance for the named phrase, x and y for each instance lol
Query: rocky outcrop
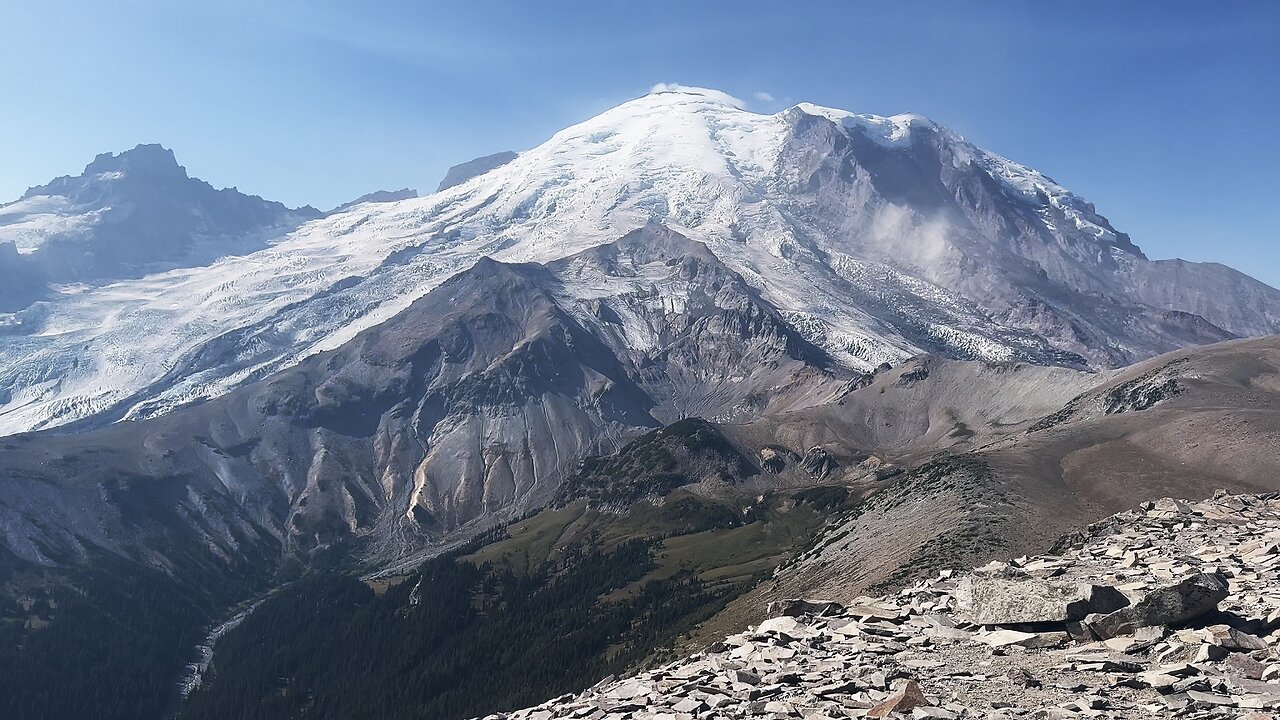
(913, 654)
(819, 463)
(463, 172)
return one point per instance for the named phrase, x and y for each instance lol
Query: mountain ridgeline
(585, 406)
(876, 238)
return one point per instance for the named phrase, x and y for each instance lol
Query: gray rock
(1233, 639)
(1004, 638)
(795, 607)
(1246, 666)
(1158, 680)
(1184, 600)
(690, 705)
(1210, 698)
(904, 698)
(993, 601)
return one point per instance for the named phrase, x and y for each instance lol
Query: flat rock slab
(1002, 638)
(1233, 639)
(996, 601)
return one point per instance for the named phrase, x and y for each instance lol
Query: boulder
(1246, 666)
(907, 696)
(1233, 639)
(630, 690)
(785, 625)
(795, 607)
(995, 601)
(691, 706)
(1179, 602)
(1157, 680)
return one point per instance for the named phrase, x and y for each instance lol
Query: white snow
(892, 131)
(29, 222)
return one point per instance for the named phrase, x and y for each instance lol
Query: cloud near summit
(677, 87)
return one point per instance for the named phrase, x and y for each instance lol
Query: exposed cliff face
(1026, 253)
(463, 172)
(704, 342)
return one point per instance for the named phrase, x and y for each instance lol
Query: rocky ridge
(1172, 610)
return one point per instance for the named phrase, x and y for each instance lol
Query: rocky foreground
(1168, 611)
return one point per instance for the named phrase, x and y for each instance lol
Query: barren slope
(1186, 424)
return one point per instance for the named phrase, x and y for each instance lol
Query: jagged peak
(149, 158)
(649, 243)
(495, 273)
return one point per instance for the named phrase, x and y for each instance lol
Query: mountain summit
(146, 160)
(876, 238)
(126, 216)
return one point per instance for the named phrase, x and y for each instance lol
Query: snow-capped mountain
(876, 238)
(128, 216)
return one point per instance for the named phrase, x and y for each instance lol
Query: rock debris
(1172, 610)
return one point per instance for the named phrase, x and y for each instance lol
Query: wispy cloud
(762, 96)
(677, 87)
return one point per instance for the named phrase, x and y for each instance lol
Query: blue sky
(1162, 114)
